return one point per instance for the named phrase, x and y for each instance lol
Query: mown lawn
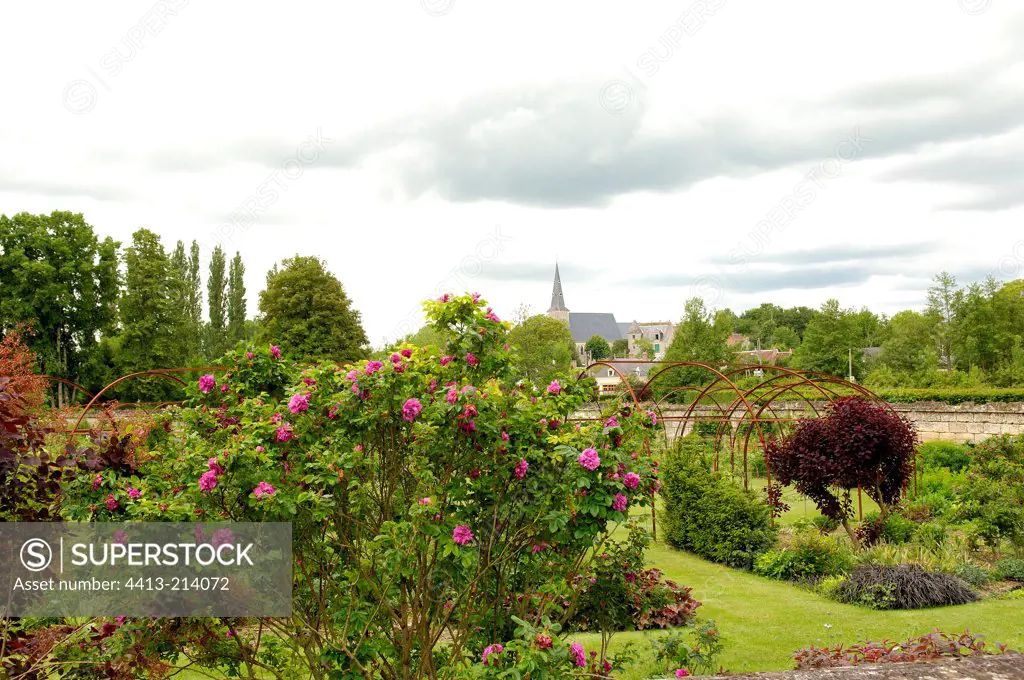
(763, 621)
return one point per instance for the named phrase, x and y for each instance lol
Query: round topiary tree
(858, 444)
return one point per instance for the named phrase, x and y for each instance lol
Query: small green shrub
(1010, 569)
(932, 534)
(810, 557)
(942, 454)
(896, 529)
(972, 574)
(707, 514)
(825, 525)
(903, 587)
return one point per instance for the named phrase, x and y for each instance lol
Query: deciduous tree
(543, 347)
(857, 445)
(307, 313)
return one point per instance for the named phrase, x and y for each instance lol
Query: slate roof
(584, 325)
(626, 368)
(624, 329)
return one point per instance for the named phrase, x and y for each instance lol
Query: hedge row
(977, 395)
(908, 395)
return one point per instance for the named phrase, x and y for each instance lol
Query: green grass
(763, 621)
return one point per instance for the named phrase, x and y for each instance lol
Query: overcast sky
(740, 150)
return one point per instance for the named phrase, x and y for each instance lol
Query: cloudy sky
(739, 150)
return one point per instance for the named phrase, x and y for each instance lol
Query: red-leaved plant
(858, 444)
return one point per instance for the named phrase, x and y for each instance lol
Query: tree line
(967, 336)
(94, 311)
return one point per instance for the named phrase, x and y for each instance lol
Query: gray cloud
(61, 189)
(847, 253)
(538, 272)
(555, 146)
(767, 281)
(995, 174)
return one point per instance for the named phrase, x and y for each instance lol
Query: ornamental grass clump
(902, 587)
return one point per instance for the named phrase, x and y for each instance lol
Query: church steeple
(558, 309)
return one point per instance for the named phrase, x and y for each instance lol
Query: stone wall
(959, 423)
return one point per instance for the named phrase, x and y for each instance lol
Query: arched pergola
(741, 415)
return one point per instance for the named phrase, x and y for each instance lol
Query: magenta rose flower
(682, 673)
(631, 480)
(275, 352)
(406, 352)
(263, 490)
(620, 503)
(589, 459)
(284, 432)
(111, 503)
(471, 359)
(554, 387)
(579, 656)
(207, 383)
(373, 366)
(299, 403)
(521, 469)
(133, 492)
(411, 408)
(445, 360)
(492, 649)
(462, 535)
(208, 482)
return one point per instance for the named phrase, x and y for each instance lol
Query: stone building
(585, 325)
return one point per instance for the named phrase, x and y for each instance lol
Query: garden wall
(934, 420)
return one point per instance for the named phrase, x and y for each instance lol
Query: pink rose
(207, 383)
(275, 352)
(554, 387)
(263, 490)
(521, 469)
(589, 459)
(631, 480)
(462, 535)
(411, 409)
(471, 359)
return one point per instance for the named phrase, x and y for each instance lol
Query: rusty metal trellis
(94, 399)
(737, 412)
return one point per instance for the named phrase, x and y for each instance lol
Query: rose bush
(437, 504)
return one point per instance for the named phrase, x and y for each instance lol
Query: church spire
(557, 299)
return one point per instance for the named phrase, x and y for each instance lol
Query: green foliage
(972, 574)
(829, 337)
(60, 279)
(1010, 569)
(706, 513)
(697, 652)
(377, 462)
(598, 348)
(953, 396)
(217, 302)
(543, 348)
(896, 529)
(809, 557)
(236, 330)
(307, 313)
(152, 319)
(943, 454)
(991, 496)
(620, 348)
(701, 337)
